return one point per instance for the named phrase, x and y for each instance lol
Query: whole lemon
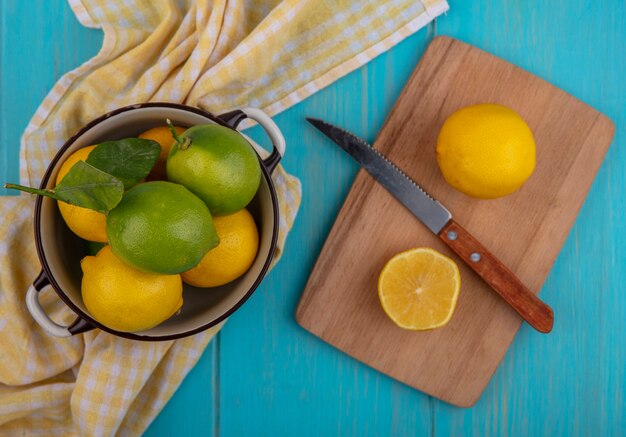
(216, 164)
(486, 151)
(84, 222)
(161, 227)
(239, 242)
(126, 299)
(163, 136)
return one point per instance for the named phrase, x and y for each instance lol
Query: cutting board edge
(440, 39)
(449, 400)
(608, 131)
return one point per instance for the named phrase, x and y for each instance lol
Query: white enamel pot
(60, 251)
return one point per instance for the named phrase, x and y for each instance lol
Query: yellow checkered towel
(217, 55)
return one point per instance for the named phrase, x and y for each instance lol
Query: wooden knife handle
(498, 276)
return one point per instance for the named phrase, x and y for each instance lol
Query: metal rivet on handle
(452, 235)
(475, 257)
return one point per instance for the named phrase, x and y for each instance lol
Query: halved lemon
(418, 289)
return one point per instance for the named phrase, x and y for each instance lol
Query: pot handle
(40, 316)
(233, 119)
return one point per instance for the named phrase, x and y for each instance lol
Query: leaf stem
(184, 142)
(30, 190)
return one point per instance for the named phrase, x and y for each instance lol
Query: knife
(439, 220)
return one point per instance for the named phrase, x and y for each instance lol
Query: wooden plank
(276, 378)
(60, 44)
(571, 382)
(38, 45)
(194, 409)
(525, 230)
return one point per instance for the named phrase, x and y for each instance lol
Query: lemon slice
(418, 289)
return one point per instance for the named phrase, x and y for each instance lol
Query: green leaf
(89, 187)
(85, 186)
(99, 182)
(92, 247)
(130, 159)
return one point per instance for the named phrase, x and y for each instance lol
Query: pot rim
(130, 335)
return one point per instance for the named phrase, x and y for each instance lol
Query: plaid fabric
(217, 55)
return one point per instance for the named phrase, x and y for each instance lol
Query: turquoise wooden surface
(265, 375)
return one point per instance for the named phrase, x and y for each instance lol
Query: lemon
(84, 222)
(239, 242)
(126, 299)
(418, 289)
(486, 151)
(163, 136)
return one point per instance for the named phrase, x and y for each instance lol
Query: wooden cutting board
(525, 230)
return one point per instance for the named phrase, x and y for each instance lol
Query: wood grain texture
(573, 381)
(32, 58)
(38, 44)
(281, 379)
(504, 282)
(525, 230)
(569, 383)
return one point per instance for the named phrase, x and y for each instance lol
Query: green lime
(161, 227)
(218, 165)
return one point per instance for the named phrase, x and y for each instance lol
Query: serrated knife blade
(429, 211)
